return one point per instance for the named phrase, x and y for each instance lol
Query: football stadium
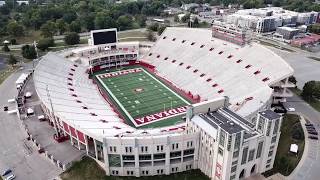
(194, 99)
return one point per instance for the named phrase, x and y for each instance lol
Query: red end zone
(119, 73)
(160, 115)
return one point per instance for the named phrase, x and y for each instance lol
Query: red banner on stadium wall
(161, 115)
(81, 137)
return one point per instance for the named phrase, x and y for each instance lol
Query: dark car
(6, 172)
(5, 108)
(313, 132)
(310, 127)
(313, 137)
(309, 124)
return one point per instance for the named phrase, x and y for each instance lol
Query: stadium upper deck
(211, 67)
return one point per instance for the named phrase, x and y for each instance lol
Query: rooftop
(269, 114)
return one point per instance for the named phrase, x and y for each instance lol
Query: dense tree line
(58, 17)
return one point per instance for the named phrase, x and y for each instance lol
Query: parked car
(291, 109)
(8, 175)
(5, 108)
(313, 132)
(6, 172)
(313, 137)
(309, 125)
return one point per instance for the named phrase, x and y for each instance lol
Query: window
(230, 56)
(220, 52)
(110, 148)
(220, 151)
(259, 151)
(220, 91)
(177, 146)
(183, 41)
(269, 160)
(166, 58)
(115, 149)
(215, 85)
(201, 46)
(234, 162)
(229, 142)
(274, 139)
(195, 71)
(180, 64)
(233, 169)
(235, 154)
(268, 128)
(211, 49)
(150, 54)
(173, 39)
(276, 126)
(232, 177)
(158, 56)
(192, 43)
(237, 141)
(222, 138)
(202, 75)
(251, 155)
(173, 61)
(188, 67)
(270, 153)
(164, 37)
(257, 72)
(208, 80)
(126, 149)
(244, 155)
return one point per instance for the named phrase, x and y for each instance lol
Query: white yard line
(127, 113)
(118, 102)
(166, 87)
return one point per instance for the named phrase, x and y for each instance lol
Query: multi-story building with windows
(230, 147)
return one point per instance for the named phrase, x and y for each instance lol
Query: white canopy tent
(294, 148)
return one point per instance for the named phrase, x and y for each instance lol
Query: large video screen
(104, 37)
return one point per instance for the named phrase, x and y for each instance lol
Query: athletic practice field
(142, 98)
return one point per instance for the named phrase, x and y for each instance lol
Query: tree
(311, 90)
(293, 80)
(153, 27)
(72, 38)
(29, 52)
(5, 48)
(75, 26)
(12, 60)
(13, 41)
(161, 29)
(151, 36)
(49, 29)
(176, 18)
(15, 29)
(45, 43)
(314, 28)
(61, 26)
(124, 22)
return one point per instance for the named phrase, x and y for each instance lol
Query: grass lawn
(286, 162)
(29, 37)
(134, 33)
(139, 94)
(89, 169)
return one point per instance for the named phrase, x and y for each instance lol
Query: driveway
(15, 151)
(308, 168)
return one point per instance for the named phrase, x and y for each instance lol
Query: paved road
(309, 167)
(15, 152)
(305, 69)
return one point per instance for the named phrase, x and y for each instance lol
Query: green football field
(140, 95)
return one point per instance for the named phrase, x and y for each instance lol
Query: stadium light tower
(52, 111)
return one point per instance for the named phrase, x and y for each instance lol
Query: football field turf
(142, 98)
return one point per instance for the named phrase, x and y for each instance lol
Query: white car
(10, 177)
(291, 109)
